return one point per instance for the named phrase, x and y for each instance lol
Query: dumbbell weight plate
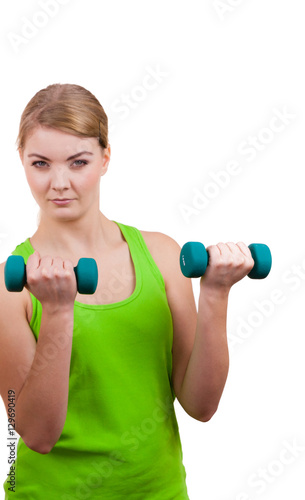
(261, 254)
(86, 274)
(193, 259)
(15, 273)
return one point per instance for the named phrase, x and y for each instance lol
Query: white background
(225, 70)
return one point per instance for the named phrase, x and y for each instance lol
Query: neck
(85, 236)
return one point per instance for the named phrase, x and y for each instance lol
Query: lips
(61, 201)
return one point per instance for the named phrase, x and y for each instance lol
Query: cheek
(91, 181)
(36, 183)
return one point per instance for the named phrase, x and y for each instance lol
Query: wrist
(65, 310)
(213, 291)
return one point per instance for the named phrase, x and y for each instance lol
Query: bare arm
(208, 366)
(40, 371)
(200, 349)
(41, 406)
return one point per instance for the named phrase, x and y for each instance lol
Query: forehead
(55, 143)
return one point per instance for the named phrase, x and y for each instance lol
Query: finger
(244, 249)
(58, 262)
(45, 265)
(68, 264)
(236, 251)
(219, 249)
(58, 266)
(226, 252)
(32, 265)
(68, 267)
(218, 254)
(33, 261)
(214, 253)
(232, 247)
(239, 257)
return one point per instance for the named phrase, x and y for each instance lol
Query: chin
(63, 216)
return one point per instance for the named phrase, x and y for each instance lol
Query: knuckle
(218, 263)
(56, 271)
(45, 272)
(230, 262)
(240, 260)
(31, 277)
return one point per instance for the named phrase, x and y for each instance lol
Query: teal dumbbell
(194, 259)
(86, 274)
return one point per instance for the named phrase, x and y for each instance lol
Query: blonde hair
(66, 107)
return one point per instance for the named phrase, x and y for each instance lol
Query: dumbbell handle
(194, 260)
(86, 274)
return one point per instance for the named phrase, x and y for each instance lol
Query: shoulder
(21, 299)
(165, 251)
(156, 240)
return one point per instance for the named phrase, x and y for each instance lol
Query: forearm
(41, 406)
(208, 366)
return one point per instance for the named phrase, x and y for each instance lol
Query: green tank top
(121, 438)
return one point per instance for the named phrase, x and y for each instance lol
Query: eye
(35, 164)
(82, 162)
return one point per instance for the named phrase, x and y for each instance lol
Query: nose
(60, 179)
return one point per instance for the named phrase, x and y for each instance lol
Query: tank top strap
(25, 249)
(140, 253)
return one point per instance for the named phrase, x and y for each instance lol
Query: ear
(106, 159)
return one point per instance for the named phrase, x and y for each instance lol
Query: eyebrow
(70, 157)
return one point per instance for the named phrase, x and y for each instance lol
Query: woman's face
(64, 171)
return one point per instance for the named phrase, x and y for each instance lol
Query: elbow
(41, 448)
(38, 447)
(202, 417)
(207, 415)
(44, 449)
(43, 445)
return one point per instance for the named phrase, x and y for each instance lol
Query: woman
(95, 376)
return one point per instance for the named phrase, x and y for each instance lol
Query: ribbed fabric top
(121, 438)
